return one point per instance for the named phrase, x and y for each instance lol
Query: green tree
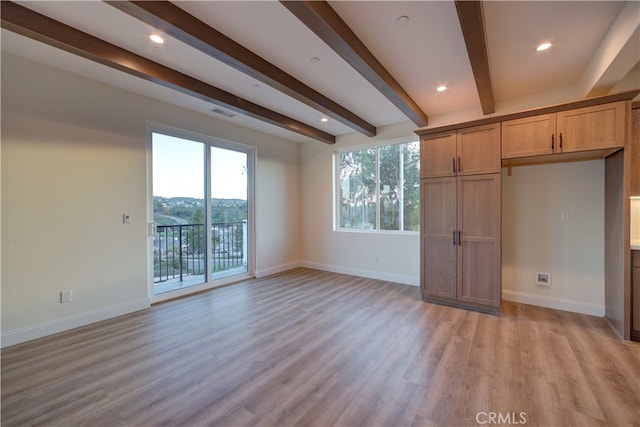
(195, 234)
(411, 186)
(390, 169)
(358, 189)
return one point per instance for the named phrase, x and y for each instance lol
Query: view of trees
(187, 210)
(387, 187)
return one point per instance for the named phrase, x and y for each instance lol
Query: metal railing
(180, 250)
(229, 242)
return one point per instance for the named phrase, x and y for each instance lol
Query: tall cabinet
(460, 230)
(460, 182)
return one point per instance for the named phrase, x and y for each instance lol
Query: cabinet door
(635, 152)
(530, 136)
(438, 249)
(635, 294)
(478, 150)
(635, 308)
(591, 128)
(479, 268)
(437, 155)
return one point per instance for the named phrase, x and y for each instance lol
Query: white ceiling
(427, 51)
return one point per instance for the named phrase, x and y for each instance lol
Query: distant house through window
(379, 188)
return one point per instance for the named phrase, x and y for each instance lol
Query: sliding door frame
(208, 141)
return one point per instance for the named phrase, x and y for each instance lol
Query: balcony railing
(180, 250)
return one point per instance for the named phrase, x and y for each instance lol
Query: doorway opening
(201, 208)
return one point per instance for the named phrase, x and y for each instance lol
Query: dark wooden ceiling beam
(327, 24)
(471, 19)
(31, 24)
(179, 24)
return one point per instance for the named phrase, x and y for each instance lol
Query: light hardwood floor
(313, 348)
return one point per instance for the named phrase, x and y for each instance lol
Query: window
(379, 188)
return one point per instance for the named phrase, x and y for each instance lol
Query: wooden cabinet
(438, 237)
(582, 129)
(635, 296)
(470, 151)
(461, 241)
(635, 152)
(460, 230)
(530, 136)
(465, 271)
(438, 155)
(479, 225)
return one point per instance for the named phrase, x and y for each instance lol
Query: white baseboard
(397, 278)
(555, 303)
(29, 333)
(276, 269)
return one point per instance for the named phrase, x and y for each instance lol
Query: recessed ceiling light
(441, 88)
(402, 20)
(543, 46)
(256, 86)
(156, 39)
(314, 59)
(324, 119)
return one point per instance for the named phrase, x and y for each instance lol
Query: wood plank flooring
(312, 348)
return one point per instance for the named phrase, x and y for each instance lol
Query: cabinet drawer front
(592, 128)
(530, 136)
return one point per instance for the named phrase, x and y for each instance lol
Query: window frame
(337, 190)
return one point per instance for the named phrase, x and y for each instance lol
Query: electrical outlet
(543, 279)
(65, 296)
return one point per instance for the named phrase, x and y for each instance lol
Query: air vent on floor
(223, 112)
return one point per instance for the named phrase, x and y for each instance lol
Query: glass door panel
(229, 212)
(179, 243)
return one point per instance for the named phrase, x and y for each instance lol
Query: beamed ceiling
(280, 67)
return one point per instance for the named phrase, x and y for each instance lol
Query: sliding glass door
(179, 245)
(229, 213)
(202, 223)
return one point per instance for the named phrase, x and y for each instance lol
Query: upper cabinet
(581, 129)
(530, 136)
(438, 155)
(591, 128)
(469, 151)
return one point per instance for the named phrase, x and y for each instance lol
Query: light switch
(564, 216)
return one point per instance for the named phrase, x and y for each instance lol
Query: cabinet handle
(454, 237)
(553, 142)
(459, 168)
(453, 165)
(459, 241)
(560, 141)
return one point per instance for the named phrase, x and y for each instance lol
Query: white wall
(351, 252)
(73, 160)
(635, 222)
(535, 238)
